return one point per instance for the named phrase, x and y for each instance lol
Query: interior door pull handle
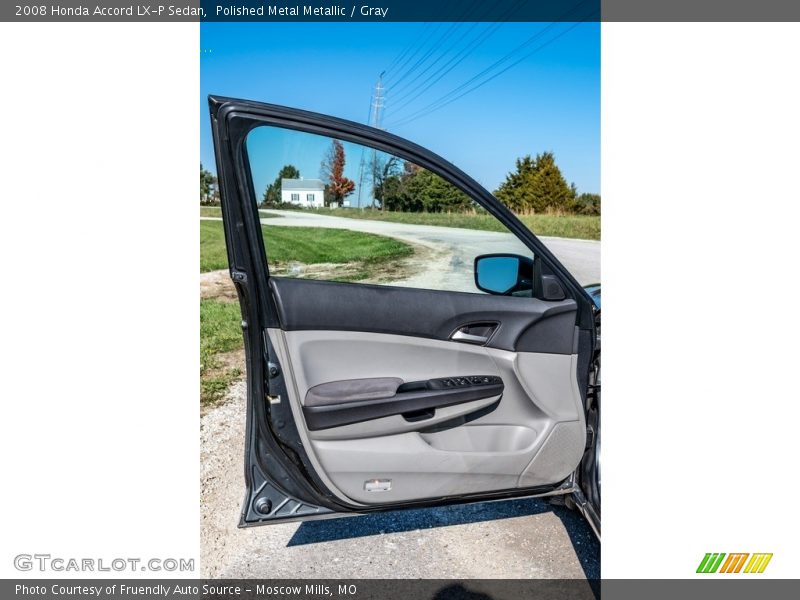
(462, 336)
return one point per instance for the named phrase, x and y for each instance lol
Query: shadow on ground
(585, 543)
(583, 540)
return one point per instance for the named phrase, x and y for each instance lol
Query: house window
(309, 197)
(295, 197)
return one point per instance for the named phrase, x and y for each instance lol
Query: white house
(309, 193)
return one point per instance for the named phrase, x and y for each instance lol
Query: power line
(431, 108)
(441, 56)
(444, 99)
(488, 69)
(407, 49)
(394, 80)
(456, 60)
(453, 27)
(413, 54)
(447, 67)
(433, 48)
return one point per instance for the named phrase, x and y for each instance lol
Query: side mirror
(504, 274)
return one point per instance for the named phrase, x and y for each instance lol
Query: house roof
(302, 184)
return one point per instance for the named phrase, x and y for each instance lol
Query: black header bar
(403, 10)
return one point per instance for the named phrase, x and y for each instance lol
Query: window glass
(371, 217)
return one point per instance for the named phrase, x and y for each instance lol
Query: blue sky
(549, 101)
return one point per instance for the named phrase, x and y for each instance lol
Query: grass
(220, 333)
(216, 211)
(570, 226)
(307, 245)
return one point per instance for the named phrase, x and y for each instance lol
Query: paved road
(525, 538)
(453, 249)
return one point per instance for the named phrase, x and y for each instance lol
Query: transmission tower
(377, 103)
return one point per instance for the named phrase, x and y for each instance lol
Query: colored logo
(734, 563)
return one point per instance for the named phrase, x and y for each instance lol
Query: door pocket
(482, 438)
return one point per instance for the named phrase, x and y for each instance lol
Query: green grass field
(307, 245)
(569, 226)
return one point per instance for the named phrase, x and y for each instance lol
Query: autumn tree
(337, 186)
(272, 193)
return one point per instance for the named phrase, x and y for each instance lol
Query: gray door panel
(445, 454)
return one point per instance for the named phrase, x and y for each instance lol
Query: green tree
(437, 195)
(207, 185)
(382, 167)
(588, 204)
(516, 192)
(272, 193)
(420, 190)
(537, 186)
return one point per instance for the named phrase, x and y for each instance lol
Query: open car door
(465, 382)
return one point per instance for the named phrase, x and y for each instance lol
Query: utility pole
(377, 103)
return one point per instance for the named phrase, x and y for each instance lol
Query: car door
(447, 386)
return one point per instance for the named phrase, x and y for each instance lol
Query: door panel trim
(526, 324)
(348, 413)
(397, 424)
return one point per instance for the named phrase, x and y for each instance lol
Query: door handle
(475, 333)
(462, 336)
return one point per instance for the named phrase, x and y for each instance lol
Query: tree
(382, 167)
(420, 190)
(537, 186)
(516, 191)
(437, 195)
(207, 186)
(272, 193)
(588, 204)
(337, 186)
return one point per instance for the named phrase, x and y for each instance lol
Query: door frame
(274, 454)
